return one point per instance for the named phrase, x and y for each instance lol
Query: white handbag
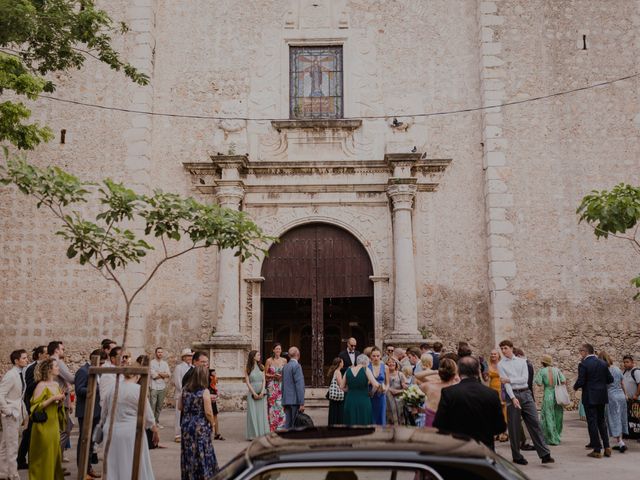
(562, 395)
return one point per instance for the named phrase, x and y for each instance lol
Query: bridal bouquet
(413, 396)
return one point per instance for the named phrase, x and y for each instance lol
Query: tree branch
(613, 234)
(160, 263)
(164, 246)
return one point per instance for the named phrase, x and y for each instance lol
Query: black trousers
(23, 449)
(597, 427)
(91, 445)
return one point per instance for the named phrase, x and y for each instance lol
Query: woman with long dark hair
(273, 373)
(198, 459)
(257, 424)
(47, 415)
(335, 393)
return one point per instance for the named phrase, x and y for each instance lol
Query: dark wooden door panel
(317, 261)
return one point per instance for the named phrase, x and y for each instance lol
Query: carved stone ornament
(402, 194)
(229, 194)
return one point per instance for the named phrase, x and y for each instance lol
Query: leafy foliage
(38, 37)
(614, 213)
(107, 243)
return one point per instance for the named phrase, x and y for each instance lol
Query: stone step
(315, 397)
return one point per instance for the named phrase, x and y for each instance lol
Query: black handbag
(302, 420)
(39, 416)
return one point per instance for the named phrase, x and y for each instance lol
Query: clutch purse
(39, 416)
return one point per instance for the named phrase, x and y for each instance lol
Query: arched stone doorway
(317, 293)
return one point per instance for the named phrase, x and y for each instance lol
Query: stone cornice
(428, 166)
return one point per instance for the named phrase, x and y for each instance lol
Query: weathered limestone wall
(567, 287)
(497, 243)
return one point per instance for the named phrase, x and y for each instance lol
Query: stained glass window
(315, 87)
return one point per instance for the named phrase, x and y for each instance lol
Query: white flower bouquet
(413, 396)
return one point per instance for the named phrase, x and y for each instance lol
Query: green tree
(176, 225)
(38, 37)
(614, 213)
(108, 244)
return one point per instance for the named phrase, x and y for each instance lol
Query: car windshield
(236, 466)
(346, 473)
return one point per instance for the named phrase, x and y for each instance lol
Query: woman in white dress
(120, 459)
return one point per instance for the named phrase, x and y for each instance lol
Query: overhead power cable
(365, 117)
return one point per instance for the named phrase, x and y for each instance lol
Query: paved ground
(571, 460)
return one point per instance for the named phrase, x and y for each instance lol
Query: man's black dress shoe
(548, 459)
(527, 448)
(521, 461)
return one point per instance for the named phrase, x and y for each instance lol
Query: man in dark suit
(292, 388)
(38, 355)
(470, 407)
(349, 355)
(593, 378)
(81, 384)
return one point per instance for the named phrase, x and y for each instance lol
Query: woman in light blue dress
(617, 421)
(378, 397)
(257, 424)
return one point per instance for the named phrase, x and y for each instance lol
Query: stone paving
(571, 460)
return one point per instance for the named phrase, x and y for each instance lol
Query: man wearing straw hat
(179, 372)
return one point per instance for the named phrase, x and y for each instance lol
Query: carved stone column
(227, 347)
(401, 191)
(229, 194)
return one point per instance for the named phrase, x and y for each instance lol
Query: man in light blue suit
(292, 387)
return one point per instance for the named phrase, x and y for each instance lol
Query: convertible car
(367, 453)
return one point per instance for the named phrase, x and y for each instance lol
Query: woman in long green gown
(257, 423)
(357, 404)
(551, 414)
(45, 455)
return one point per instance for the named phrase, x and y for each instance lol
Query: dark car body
(371, 453)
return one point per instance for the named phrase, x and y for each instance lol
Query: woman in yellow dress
(45, 456)
(494, 383)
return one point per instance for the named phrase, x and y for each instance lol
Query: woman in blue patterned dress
(378, 397)
(617, 407)
(197, 459)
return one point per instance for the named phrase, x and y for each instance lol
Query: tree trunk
(114, 400)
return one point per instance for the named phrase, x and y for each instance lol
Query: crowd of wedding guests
(490, 400)
(38, 398)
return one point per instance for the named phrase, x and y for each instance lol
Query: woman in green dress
(257, 424)
(551, 414)
(45, 455)
(357, 404)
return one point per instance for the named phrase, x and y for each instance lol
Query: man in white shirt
(520, 405)
(179, 372)
(13, 413)
(107, 381)
(160, 373)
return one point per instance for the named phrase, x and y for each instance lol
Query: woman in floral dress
(197, 460)
(273, 369)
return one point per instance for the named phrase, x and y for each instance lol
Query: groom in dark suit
(292, 388)
(349, 355)
(81, 383)
(593, 378)
(470, 407)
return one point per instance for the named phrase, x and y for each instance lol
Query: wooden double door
(316, 294)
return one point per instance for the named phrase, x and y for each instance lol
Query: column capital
(230, 193)
(401, 192)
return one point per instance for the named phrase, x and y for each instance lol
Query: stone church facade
(394, 225)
